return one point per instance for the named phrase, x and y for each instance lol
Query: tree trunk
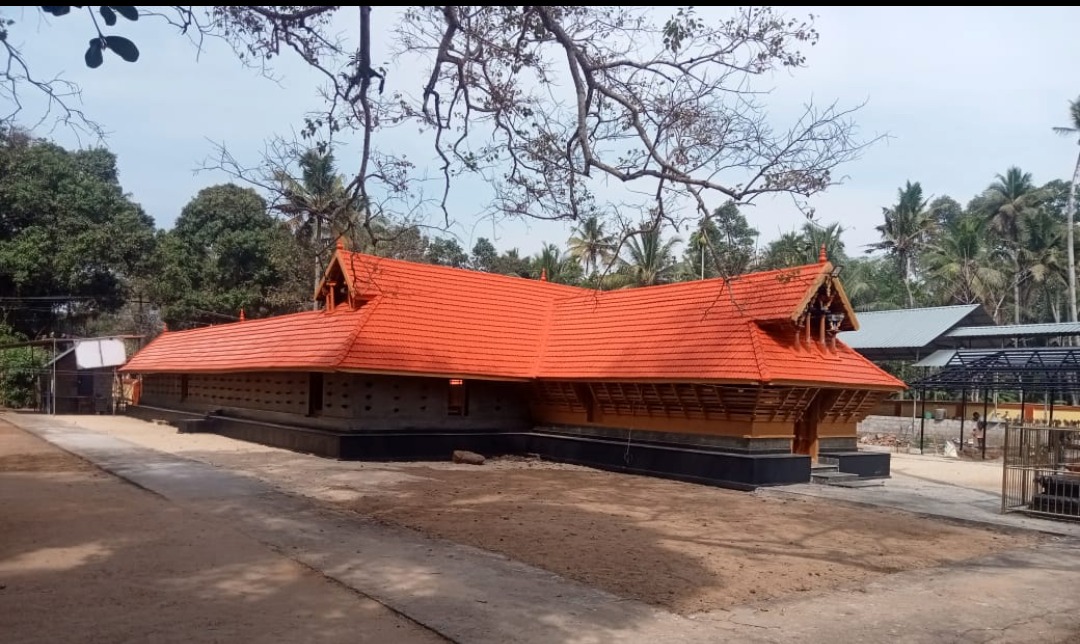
(907, 281)
(1070, 213)
(316, 239)
(1016, 289)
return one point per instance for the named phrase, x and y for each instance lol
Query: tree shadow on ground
(85, 557)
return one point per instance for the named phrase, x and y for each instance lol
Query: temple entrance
(806, 432)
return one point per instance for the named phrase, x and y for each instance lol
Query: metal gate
(1042, 471)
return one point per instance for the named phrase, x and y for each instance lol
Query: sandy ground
(975, 475)
(685, 547)
(86, 557)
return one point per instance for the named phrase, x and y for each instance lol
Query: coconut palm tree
(555, 266)
(651, 259)
(1009, 201)
(907, 228)
(1072, 129)
(318, 208)
(961, 264)
(816, 236)
(1044, 271)
(591, 245)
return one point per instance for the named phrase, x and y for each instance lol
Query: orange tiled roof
(433, 320)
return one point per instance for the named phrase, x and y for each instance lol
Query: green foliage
(650, 259)
(557, 266)
(721, 245)
(225, 254)
(19, 369)
(511, 263)
(320, 210)
(591, 245)
(871, 284)
(945, 210)
(962, 264)
(804, 247)
(446, 252)
(907, 229)
(484, 256)
(68, 232)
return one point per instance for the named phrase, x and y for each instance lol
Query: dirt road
(85, 557)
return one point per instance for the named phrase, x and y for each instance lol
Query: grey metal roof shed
(910, 334)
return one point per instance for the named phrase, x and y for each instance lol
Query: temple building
(738, 382)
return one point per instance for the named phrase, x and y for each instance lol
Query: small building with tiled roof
(737, 381)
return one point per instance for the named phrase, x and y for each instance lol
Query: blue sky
(961, 93)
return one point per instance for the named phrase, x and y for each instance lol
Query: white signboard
(92, 354)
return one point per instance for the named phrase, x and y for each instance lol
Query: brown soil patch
(685, 547)
(85, 557)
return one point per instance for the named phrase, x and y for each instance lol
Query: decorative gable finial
(242, 318)
(543, 274)
(822, 256)
(340, 245)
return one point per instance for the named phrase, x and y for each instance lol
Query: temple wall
(348, 402)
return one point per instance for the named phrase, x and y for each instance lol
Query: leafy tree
(226, 253)
(591, 245)
(1072, 129)
(945, 210)
(871, 284)
(789, 249)
(512, 263)
(19, 370)
(804, 246)
(650, 259)
(446, 252)
(1007, 202)
(484, 256)
(721, 245)
(400, 241)
(907, 228)
(1042, 258)
(961, 264)
(70, 239)
(320, 210)
(556, 265)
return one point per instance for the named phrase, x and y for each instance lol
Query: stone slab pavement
(470, 595)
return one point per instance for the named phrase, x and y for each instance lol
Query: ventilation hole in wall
(367, 408)
(423, 397)
(397, 397)
(369, 384)
(396, 387)
(498, 407)
(368, 396)
(423, 407)
(344, 406)
(396, 410)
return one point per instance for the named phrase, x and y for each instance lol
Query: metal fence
(1042, 471)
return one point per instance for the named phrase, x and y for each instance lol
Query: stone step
(830, 478)
(857, 482)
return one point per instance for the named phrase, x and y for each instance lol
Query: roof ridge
(350, 341)
(438, 268)
(759, 357)
(545, 333)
